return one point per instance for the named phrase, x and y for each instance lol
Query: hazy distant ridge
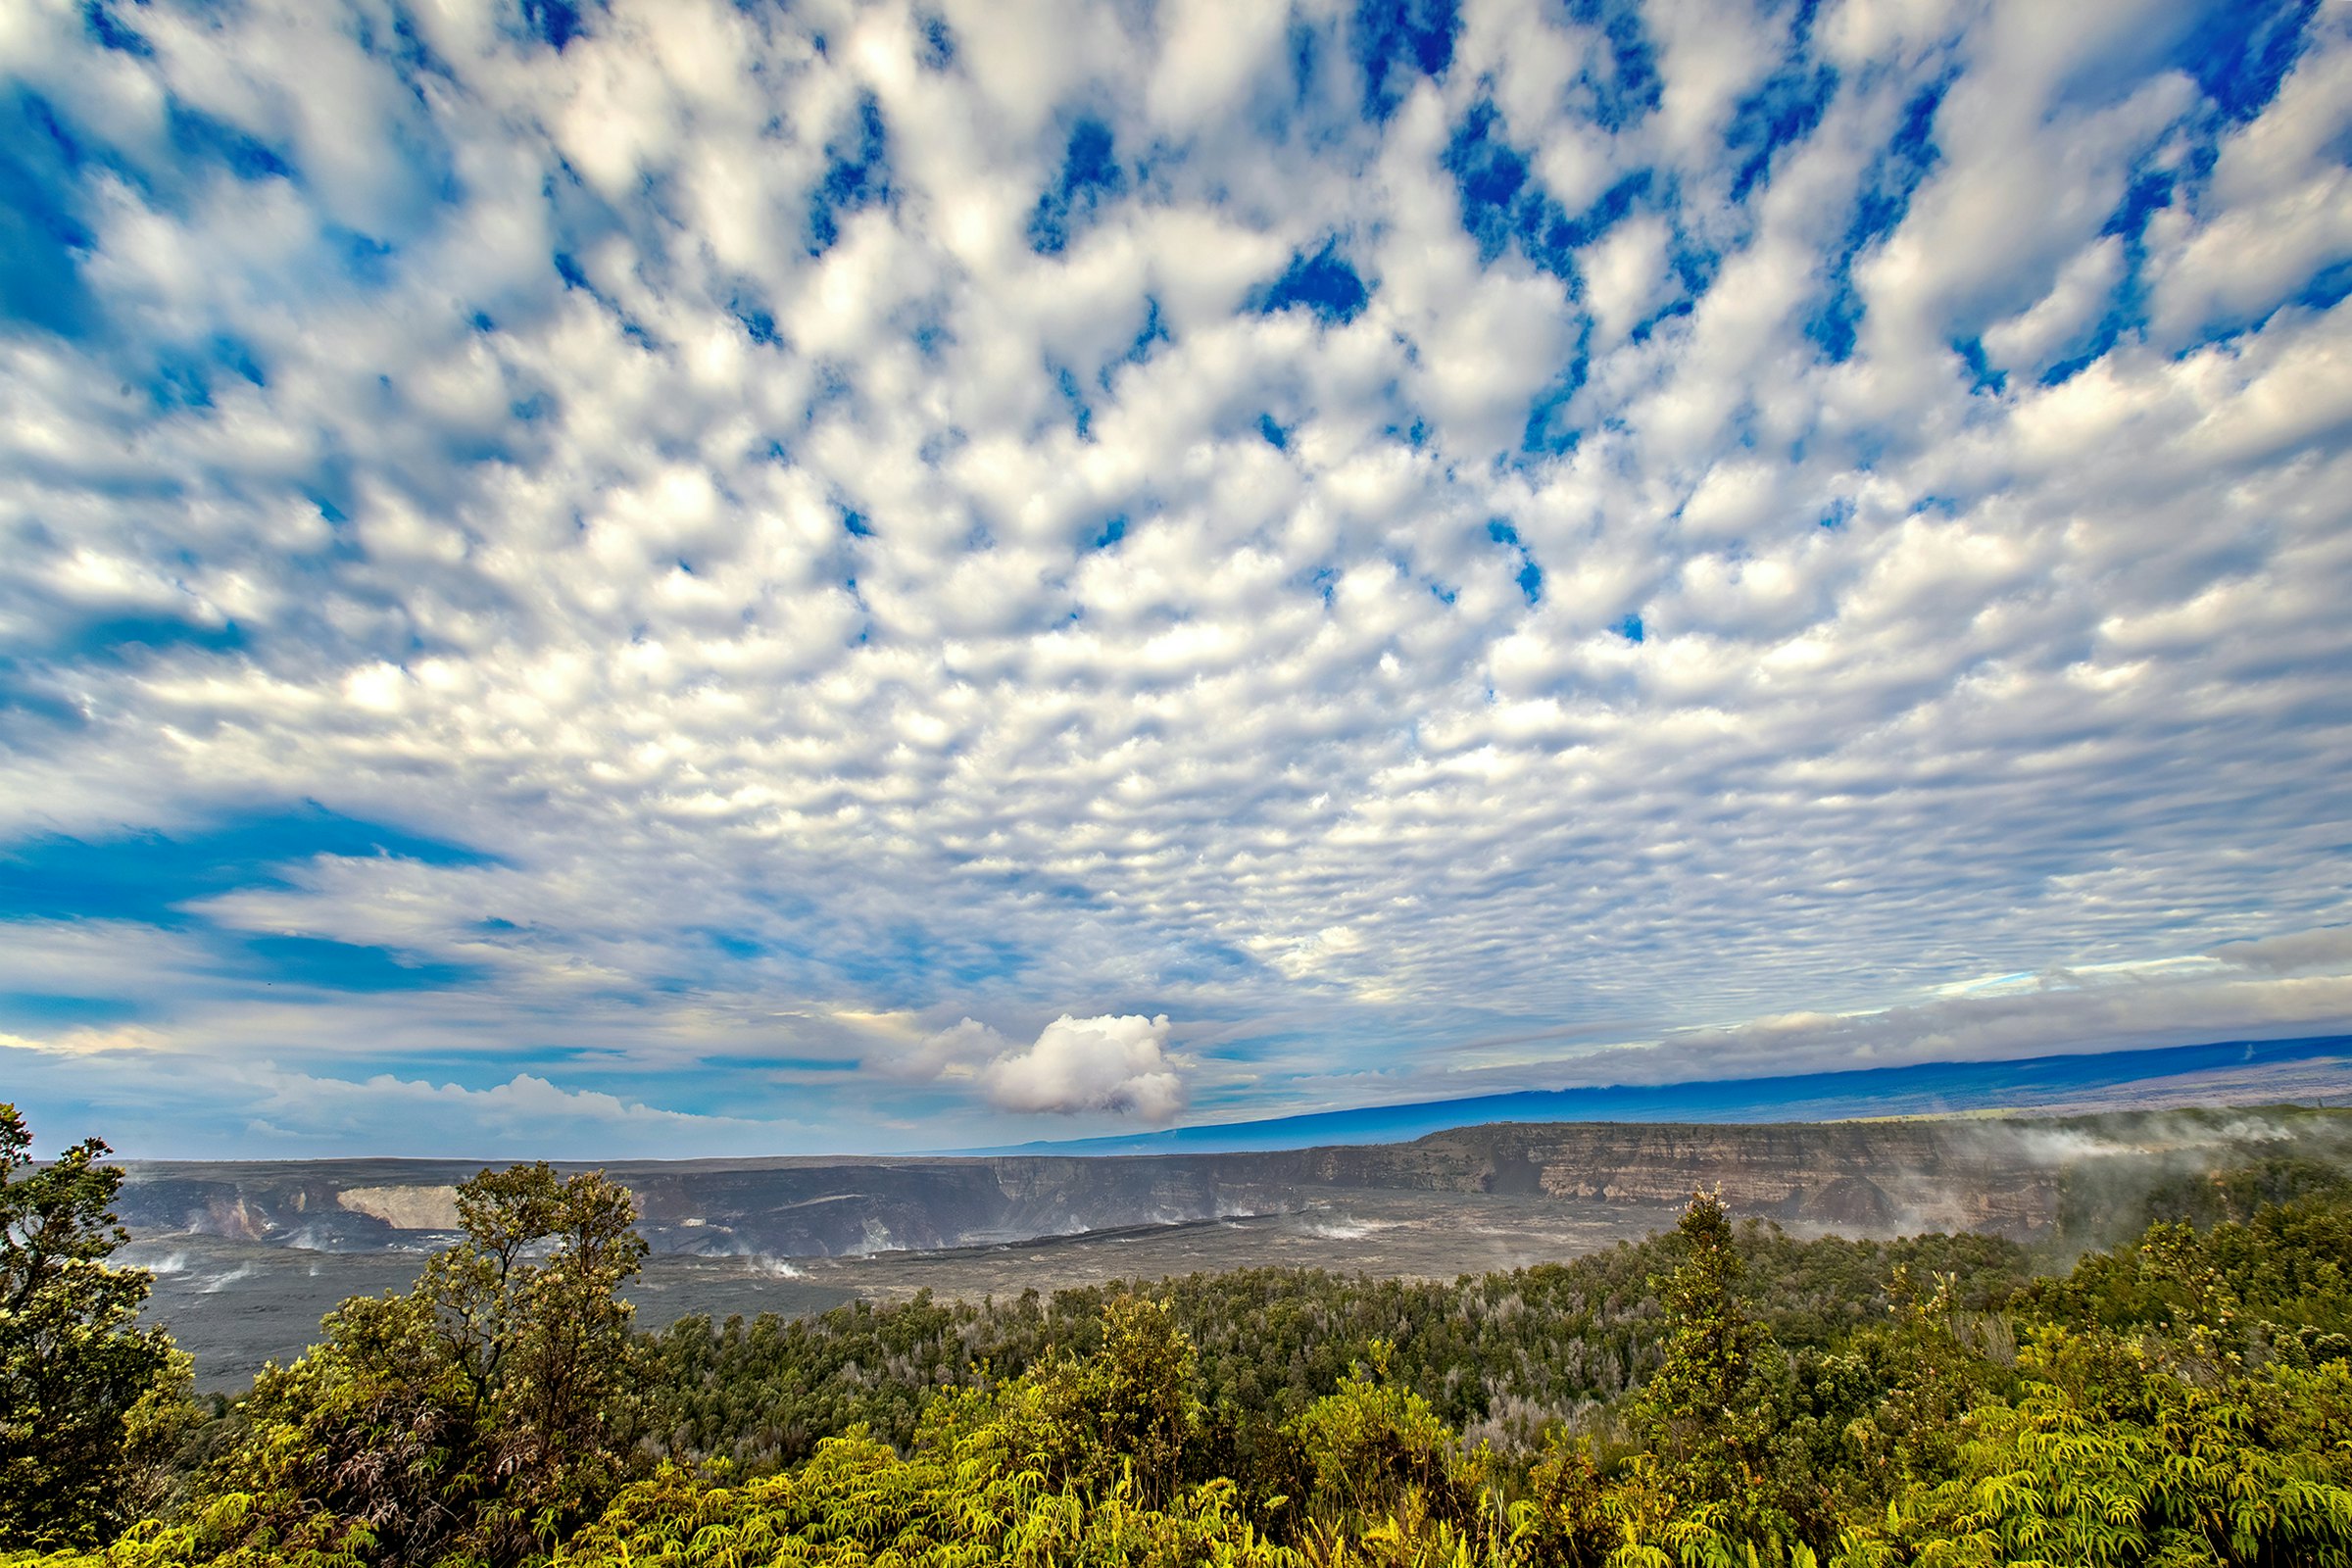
(2266, 1069)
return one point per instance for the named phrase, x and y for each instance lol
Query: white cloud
(2043, 1015)
(956, 1051)
(1115, 1064)
(1930, 681)
(2326, 951)
(2278, 210)
(1111, 1065)
(1626, 275)
(2031, 338)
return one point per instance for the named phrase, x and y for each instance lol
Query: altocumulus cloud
(613, 572)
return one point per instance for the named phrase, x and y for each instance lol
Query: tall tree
(73, 1360)
(476, 1413)
(1702, 1411)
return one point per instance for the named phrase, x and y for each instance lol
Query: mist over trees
(1722, 1393)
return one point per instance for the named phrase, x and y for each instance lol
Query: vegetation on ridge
(1721, 1394)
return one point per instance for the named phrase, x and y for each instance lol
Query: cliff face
(2003, 1176)
(1877, 1177)
(780, 1209)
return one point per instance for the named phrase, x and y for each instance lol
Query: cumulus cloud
(956, 1051)
(701, 544)
(1111, 1065)
(1115, 1064)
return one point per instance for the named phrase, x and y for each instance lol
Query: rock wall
(1874, 1177)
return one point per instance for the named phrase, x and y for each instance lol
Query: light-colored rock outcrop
(404, 1208)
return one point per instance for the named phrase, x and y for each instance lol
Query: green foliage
(1853, 1423)
(1566, 1519)
(2184, 1399)
(166, 1439)
(1699, 1408)
(949, 1505)
(1499, 1356)
(472, 1418)
(2181, 1474)
(1075, 1462)
(1130, 1409)
(78, 1376)
(1373, 1448)
(2280, 1280)
(2207, 1198)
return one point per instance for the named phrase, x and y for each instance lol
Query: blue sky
(694, 578)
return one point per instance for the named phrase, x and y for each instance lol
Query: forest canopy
(1721, 1394)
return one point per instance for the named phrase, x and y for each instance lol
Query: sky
(683, 578)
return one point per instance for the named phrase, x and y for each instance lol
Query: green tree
(73, 1361)
(475, 1415)
(1708, 1412)
(1712, 1347)
(1125, 1415)
(1372, 1448)
(543, 1346)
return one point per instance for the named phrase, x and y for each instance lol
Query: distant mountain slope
(2224, 1070)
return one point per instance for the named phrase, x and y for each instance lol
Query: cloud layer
(670, 552)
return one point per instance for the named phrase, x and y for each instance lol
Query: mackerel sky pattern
(679, 577)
